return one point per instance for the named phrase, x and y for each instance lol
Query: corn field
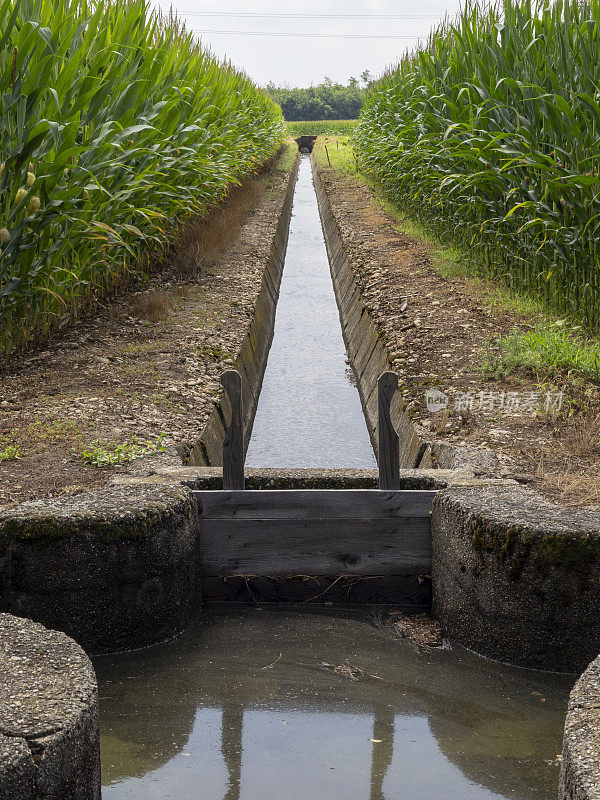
(116, 127)
(489, 135)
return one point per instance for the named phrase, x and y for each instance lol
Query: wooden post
(389, 441)
(233, 443)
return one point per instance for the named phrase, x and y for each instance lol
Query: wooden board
(327, 546)
(316, 546)
(315, 503)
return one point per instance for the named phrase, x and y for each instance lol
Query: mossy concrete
(114, 568)
(517, 578)
(49, 734)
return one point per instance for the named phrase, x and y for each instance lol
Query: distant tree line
(327, 100)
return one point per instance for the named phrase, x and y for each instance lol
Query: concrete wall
(49, 735)
(580, 765)
(114, 568)
(517, 578)
(366, 351)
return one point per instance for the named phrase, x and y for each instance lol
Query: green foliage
(116, 127)
(489, 137)
(100, 456)
(331, 127)
(545, 351)
(10, 453)
(326, 101)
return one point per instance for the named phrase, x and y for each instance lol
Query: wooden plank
(314, 503)
(315, 547)
(389, 442)
(408, 591)
(233, 443)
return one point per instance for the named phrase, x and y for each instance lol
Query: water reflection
(309, 412)
(218, 714)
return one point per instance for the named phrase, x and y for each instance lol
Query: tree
(327, 100)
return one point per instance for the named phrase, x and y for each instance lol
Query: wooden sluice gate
(315, 545)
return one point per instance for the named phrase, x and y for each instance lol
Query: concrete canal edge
(114, 568)
(580, 772)
(517, 578)
(369, 358)
(252, 358)
(49, 734)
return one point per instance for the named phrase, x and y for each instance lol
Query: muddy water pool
(252, 704)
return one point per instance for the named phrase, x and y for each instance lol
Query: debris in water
(270, 666)
(422, 631)
(354, 673)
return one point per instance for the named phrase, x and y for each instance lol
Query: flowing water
(248, 705)
(309, 413)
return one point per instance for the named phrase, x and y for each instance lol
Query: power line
(313, 35)
(265, 15)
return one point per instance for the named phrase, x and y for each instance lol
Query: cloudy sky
(327, 37)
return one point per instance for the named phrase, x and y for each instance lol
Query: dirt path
(146, 365)
(437, 330)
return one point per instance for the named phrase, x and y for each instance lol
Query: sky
(343, 47)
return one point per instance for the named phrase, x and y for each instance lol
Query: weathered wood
(233, 443)
(404, 590)
(389, 442)
(315, 503)
(326, 546)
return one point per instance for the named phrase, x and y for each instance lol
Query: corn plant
(489, 135)
(116, 127)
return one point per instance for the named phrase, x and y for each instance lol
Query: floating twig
(270, 666)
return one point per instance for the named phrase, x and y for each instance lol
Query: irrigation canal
(309, 412)
(254, 703)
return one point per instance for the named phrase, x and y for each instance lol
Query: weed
(206, 238)
(336, 152)
(544, 351)
(287, 157)
(214, 352)
(10, 453)
(98, 455)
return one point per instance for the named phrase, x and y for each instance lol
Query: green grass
(547, 351)
(10, 453)
(116, 128)
(337, 152)
(329, 127)
(488, 135)
(99, 455)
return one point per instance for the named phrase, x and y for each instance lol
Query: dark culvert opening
(306, 143)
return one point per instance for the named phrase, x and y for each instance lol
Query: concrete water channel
(309, 412)
(256, 702)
